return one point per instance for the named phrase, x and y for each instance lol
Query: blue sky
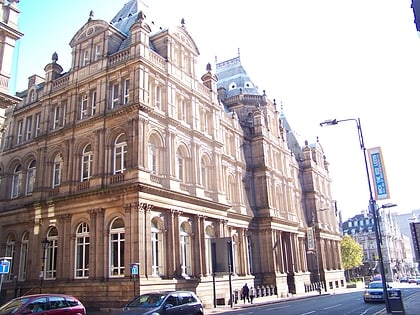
(321, 59)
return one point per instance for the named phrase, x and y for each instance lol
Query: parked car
(374, 292)
(48, 304)
(172, 302)
(404, 280)
(411, 279)
(418, 280)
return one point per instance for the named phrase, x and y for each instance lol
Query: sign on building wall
(377, 169)
(311, 241)
(221, 255)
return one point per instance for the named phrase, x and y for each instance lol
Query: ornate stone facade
(128, 158)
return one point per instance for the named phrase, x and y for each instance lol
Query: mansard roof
(234, 79)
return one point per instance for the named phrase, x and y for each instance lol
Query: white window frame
(93, 103)
(116, 250)
(120, 154)
(84, 106)
(81, 268)
(23, 257)
(126, 89)
(28, 127)
(16, 181)
(37, 124)
(57, 170)
(87, 163)
(19, 131)
(115, 95)
(30, 177)
(56, 119)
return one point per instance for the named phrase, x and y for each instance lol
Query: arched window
(23, 257)
(155, 155)
(87, 161)
(17, 181)
(120, 154)
(157, 247)
(185, 249)
(117, 244)
(180, 166)
(205, 173)
(82, 251)
(210, 233)
(30, 177)
(50, 254)
(10, 252)
(57, 170)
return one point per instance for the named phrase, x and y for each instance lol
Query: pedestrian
(245, 292)
(251, 294)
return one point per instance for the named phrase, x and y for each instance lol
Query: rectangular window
(19, 131)
(85, 58)
(115, 95)
(64, 106)
(28, 133)
(158, 97)
(56, 120)
(37, 124)
(98, 50)
(126, 91)
(93, 103)
(84, 107)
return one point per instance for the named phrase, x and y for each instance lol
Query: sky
(320, 60)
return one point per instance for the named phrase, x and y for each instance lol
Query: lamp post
(45, 242)
(372, 202)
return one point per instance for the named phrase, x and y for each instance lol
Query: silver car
(374, 292)
(164, 303)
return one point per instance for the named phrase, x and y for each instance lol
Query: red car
(47, 304)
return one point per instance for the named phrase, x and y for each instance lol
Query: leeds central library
(130, 158)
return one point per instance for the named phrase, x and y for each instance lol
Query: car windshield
(375, 285)
(12, 306)
(147, 300)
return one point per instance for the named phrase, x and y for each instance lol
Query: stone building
(9, 34)
(393, 244)
(131, 159)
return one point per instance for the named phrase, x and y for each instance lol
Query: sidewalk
(411, 305)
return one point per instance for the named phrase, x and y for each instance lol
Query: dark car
(374, 292)
(48, 304)
(173, 302)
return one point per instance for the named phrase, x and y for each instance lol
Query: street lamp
(45, 242)
(372, 202)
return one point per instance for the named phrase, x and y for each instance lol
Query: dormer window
(248, 84)
(232, 86)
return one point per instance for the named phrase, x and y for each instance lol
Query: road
(341, 304)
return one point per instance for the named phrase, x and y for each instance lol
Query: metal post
(372, 204)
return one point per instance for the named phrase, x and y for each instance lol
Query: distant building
(129, 158)
(404, 221)
(394, 246)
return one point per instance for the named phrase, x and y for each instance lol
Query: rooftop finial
(90, 15)
(54, 57)
(183, 22)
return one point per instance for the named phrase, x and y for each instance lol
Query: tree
(351, 253)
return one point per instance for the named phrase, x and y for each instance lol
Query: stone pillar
(64, 234)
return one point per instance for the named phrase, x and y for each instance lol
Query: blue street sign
(4, 266)
(378, 174)
(134, 269)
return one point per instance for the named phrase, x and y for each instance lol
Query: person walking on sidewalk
(245, 293)
(251, 294)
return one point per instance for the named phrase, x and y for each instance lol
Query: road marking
(333, 306)
(277, 308)
(307, 313)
